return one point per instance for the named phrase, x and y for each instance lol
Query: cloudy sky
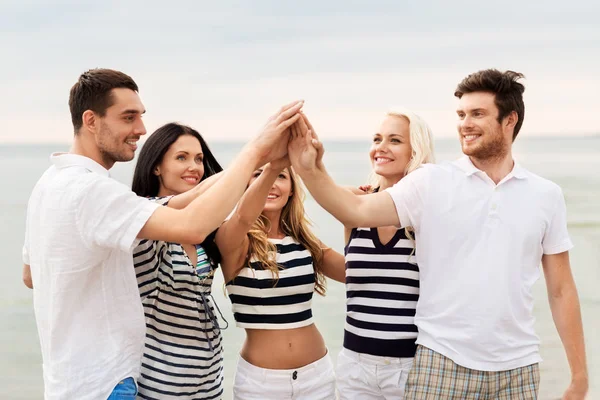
(224, 67)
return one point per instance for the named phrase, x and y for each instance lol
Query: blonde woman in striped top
(382, 274)
(272, 264)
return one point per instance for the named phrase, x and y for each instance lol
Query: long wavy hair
(146, 183)
(295, 224)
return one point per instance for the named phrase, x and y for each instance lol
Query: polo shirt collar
(466, 165)
(518, 171)
(65, 160)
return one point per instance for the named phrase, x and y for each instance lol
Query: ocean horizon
(572, 162)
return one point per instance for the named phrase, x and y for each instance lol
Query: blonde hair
(421, 142)
(295, 224)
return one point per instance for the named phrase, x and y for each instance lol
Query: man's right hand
(301, 149)
(271, 143)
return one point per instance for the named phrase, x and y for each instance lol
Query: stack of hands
(288, 138)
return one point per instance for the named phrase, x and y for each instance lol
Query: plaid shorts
(434, 376)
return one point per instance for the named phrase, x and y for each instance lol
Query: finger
(289, 112)
(313, 133)
(319, 146)
(283, 109)
(307, 122)
(308, 139)
(289, 105)
(288, 122)
(294, 130)
(302, 127)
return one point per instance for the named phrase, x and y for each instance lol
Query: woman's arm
(232, 236)
(182, 200)
(334, 264)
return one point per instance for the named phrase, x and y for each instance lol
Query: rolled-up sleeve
(556, 237)
(409, 196)
(111, 215)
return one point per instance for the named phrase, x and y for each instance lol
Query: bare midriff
(283, 348)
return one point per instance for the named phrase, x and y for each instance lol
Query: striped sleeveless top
(260, 301)
(382, 289)
(183, 354)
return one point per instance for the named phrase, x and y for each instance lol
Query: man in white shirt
(482, 225)
(81, 226)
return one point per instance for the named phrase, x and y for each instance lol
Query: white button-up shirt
(81, 226)
(480, 246)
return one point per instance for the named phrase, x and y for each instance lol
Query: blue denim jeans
(125, 390)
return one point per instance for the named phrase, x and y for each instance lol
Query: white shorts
(367, 377)
(315, 381)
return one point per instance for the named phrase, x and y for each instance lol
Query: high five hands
(304, 148)
(289, 132)
(272, 143)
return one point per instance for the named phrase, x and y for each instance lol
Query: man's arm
(205, 213)
(564, 304)
(350, 209)
(27, 276)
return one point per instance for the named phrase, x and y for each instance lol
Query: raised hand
(303, 155)
(272, 142)
(280, 164)
(315, 139)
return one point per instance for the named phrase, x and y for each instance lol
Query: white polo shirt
(480, 246)
(81, 226)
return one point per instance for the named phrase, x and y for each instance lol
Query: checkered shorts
(434, 376)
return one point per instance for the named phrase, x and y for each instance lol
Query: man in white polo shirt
(81, 226)
(483, 224)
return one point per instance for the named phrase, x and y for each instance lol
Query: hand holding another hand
(280, 164)
(304, 149)
(271, 143)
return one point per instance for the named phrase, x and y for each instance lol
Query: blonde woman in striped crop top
(272, 264)
(382, 275)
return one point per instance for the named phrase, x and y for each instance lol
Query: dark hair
(92, 91)
(145, 182)
(506, 88)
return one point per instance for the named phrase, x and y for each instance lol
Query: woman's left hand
(280, 164)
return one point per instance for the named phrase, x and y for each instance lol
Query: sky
(224, 67)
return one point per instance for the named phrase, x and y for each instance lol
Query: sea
(571, 162)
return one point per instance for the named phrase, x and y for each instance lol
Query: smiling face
(181, 168)
(481, 136)
(280, 192)
(391, 151)
(121, 127)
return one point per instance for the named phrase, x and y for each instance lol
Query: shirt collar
(466, 165)
(65, 160)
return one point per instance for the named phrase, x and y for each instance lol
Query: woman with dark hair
(183, 354)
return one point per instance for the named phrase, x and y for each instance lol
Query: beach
(571, 162)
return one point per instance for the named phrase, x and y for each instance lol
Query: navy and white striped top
(382, 289)
(260, 301)
(183, 355)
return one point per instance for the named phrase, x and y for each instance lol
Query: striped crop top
(260, 301)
